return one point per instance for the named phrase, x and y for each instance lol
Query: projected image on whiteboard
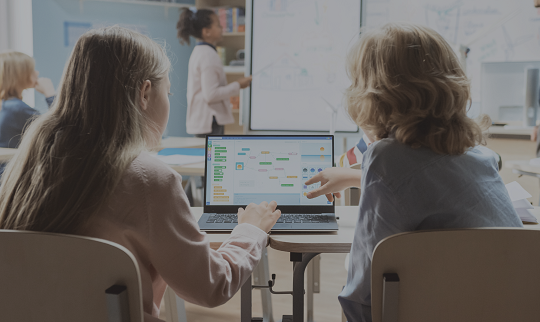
(298, 63)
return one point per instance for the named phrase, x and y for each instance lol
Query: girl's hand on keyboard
(332, 181)
(263, 215)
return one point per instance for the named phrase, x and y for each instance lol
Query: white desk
(194, 169)
(523, 167)
(510, 132)
(171, 142)
(191, 170)
(335, 242)
(182, 142)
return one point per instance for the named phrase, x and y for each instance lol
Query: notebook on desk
(241, 169)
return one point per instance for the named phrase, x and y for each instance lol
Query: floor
(333, 273)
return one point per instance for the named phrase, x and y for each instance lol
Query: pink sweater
(207, 91)
(149, 214)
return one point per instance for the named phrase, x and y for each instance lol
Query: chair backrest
(54, 277)
(485, 274)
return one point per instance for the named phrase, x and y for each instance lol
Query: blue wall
(51, 53)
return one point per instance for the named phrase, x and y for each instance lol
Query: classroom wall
(51, 52)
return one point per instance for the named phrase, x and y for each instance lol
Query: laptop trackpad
(282, 226)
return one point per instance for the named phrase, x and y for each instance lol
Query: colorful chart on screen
(256, 169)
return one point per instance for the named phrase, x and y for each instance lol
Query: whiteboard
(494, 30)
(298, 51)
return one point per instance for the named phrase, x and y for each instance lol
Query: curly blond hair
(407, 83)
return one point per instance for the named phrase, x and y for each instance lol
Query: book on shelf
(241, 21)
(232, 19)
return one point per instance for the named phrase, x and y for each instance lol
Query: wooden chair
(484, 274)
(54, 277)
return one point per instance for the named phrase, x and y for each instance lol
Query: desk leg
(261, 275)
(298, 286)
(245, 301)
(313, 280)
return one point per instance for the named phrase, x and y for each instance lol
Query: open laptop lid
(241, 169)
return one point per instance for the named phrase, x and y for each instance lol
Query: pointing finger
(315, 193)
(316, 178)
(330, 197)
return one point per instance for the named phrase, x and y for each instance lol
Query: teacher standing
(208, 93)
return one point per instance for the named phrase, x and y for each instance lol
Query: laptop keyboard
(285, 218)
(222, 218)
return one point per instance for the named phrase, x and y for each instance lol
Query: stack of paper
(519, 196)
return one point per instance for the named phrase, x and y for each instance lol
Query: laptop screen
(245, 169)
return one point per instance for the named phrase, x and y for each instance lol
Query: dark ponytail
(192, 23)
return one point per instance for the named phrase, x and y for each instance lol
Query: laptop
(241, 169)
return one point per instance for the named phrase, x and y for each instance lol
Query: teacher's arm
(212, 91)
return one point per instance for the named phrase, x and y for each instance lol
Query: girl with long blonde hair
(82, 169)
(17, 73)
(426, 167)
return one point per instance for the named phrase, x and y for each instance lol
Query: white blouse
(207, 91)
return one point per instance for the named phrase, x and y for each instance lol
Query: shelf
(234, 70)
(233, 34)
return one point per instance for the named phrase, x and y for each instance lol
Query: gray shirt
(406, 189)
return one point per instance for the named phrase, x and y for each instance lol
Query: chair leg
(313, 284)
(175, 308)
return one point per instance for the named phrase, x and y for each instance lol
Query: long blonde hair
(15, 71)
(72, 158)
(407, 82)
